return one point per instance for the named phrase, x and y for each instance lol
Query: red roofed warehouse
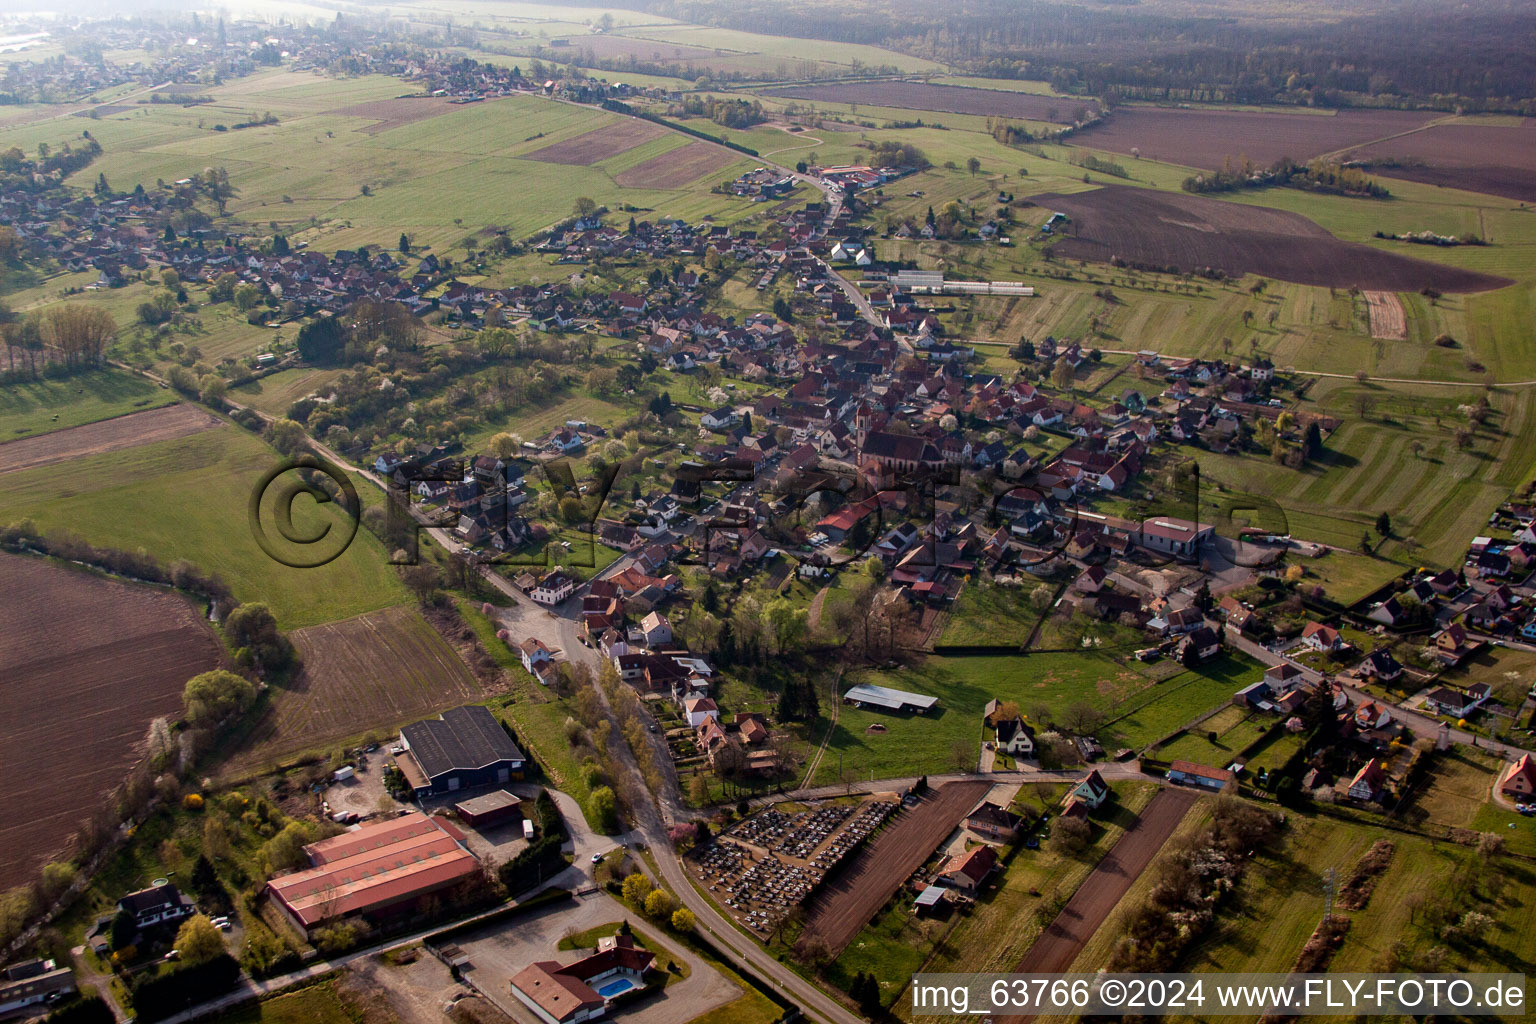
(376, 870)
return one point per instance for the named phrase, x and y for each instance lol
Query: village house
(553, 588)
(969, 870)
(1369, 783)
(1519, 779)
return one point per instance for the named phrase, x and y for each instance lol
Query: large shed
(872, 696)
(466, 747)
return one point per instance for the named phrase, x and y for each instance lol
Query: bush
(155, 998)
(86, 1010)
(213, 697)
(537, 861)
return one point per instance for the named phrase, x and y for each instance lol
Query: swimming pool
(618, 986)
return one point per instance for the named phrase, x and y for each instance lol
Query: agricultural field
(1007, 919)
(1402, 459)
(37, 407)
(186, 498)
(1188, 232)
(944, 99)
(839, 910)
(373, 673)
(88, 661)
(774, 57)
(163, 424)
(358, 132)
(1206, 137)
(1496, 159)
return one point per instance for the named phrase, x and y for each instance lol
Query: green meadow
(187, 499)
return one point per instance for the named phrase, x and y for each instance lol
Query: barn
(868, 695)
(1201, 776)
(465, 748)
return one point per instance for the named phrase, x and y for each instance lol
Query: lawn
(1044, 684)
(36, 407)
(187, 499)
(987, 614)
(1457, 790)
(536, 714)
(313, 1004)
(1234, 727)
(274, 393)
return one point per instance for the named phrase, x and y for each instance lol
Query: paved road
(1421, 726)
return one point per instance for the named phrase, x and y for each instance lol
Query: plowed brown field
(599, 144)
(86, 662)
(677, 168)
(1205, 137)
(1497, 160)
(1184, 233)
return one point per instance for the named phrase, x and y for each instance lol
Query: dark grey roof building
(465, 748)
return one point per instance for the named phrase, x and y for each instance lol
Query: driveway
(502, 950)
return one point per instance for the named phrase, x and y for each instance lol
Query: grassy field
(1438, 496)
(314, 1004)
(990, 615)
(1044, 684)
(317, 197)
(36, 407)
(1234, 729)
(1264, 924)
(187, 499)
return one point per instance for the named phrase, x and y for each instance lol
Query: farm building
(497, 808)
(375, 870)
(1188, 773)
(868, 695)
(34, 983)
(1171, 536)
(464, 748)
(583, 990)
(929, 901)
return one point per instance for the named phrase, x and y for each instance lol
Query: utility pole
(1328, 890)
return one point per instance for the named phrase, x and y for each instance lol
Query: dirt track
(1056, 948)
(129, 431)
(845, 904)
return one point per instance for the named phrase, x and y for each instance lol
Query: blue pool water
(615, 987)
